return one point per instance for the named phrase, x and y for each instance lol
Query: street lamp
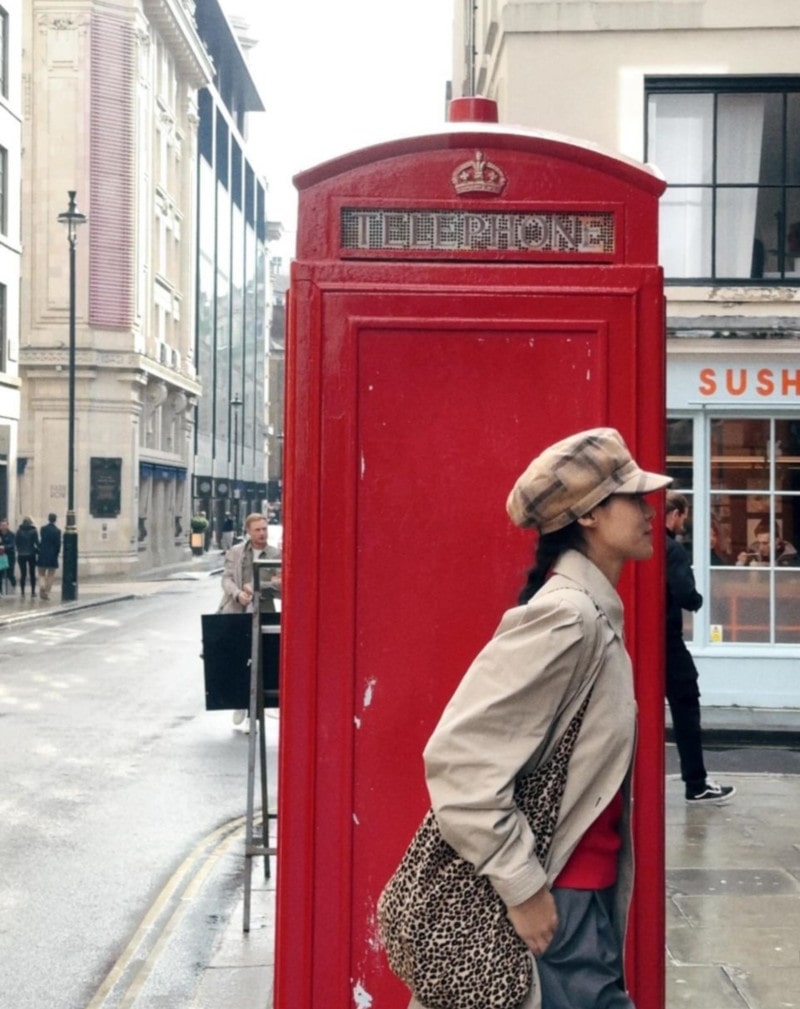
(72, 217)
(236, 405)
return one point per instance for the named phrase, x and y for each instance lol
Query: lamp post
(71, 217)
(236, 405)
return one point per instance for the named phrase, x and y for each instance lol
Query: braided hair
(549, 547)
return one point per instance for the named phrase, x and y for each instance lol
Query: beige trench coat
(233, 577)
(507, 715)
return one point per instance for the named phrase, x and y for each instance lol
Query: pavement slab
(733, 900)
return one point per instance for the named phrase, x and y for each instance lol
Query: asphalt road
(113, 776)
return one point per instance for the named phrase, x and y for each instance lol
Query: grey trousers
(582, 967)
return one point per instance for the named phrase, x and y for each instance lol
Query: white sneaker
(239, 716)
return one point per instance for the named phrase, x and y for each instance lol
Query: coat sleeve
(680, 578)
(499, 719)
(231, 577)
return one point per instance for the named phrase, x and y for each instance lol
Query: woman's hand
(535, 920)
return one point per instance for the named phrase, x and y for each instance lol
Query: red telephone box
(459, 301)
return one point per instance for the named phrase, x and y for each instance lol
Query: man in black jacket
(683, 692)
(47, 561)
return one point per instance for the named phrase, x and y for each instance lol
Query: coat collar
(577, 568)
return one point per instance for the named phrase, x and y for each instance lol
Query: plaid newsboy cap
(571, 477)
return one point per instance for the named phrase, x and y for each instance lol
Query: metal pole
(236, 403)
(69, 581)
(236, 463)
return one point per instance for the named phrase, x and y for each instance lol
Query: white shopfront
(733, 446)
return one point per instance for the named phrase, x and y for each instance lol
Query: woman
(27, 539)
(584, 495)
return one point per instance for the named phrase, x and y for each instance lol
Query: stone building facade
(709, 92)
(110, 111)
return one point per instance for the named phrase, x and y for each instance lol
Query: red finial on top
(473, 109)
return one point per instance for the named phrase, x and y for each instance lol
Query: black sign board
(227, 652)
(105, 494)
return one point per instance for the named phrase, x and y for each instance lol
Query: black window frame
(716, 85)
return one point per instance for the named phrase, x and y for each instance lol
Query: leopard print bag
(444, 927)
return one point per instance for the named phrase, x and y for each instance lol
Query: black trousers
(683, 697)
(27, 564)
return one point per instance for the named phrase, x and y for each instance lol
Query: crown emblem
(478, 176)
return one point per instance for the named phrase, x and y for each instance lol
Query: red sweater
(593, 864)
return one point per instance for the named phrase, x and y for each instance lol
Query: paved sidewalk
(98, 591)
(733, 908)
(239, 973)
(733, 896)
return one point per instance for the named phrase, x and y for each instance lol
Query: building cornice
(175, 22)
(647, 15)
(35, 361)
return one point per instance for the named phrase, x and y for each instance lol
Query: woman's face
(624, 527)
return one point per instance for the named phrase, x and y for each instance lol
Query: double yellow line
(124, 982)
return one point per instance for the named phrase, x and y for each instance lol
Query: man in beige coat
(237, 575)
(238, 581)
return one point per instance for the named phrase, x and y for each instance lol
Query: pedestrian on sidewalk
(557, 657)
(8, 541)
(3, 570)
(27, 543)
(49, 550)
(228, 529)
(682, 679)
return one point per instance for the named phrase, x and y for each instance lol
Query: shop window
(730, 151)
(749, 523)
(680, 466)
(754, 576)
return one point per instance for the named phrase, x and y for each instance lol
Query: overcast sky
(336, 76)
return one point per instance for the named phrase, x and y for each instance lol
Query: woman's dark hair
(549, 548)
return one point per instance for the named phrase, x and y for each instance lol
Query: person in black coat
(49, 550)
(683, 691)
(10, 544)
(27, 542)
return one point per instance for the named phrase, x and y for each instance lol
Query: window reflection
(739, 454)
(753, 529)
(787, 607)
(742, 602)
(739, 605)
(680, 452)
